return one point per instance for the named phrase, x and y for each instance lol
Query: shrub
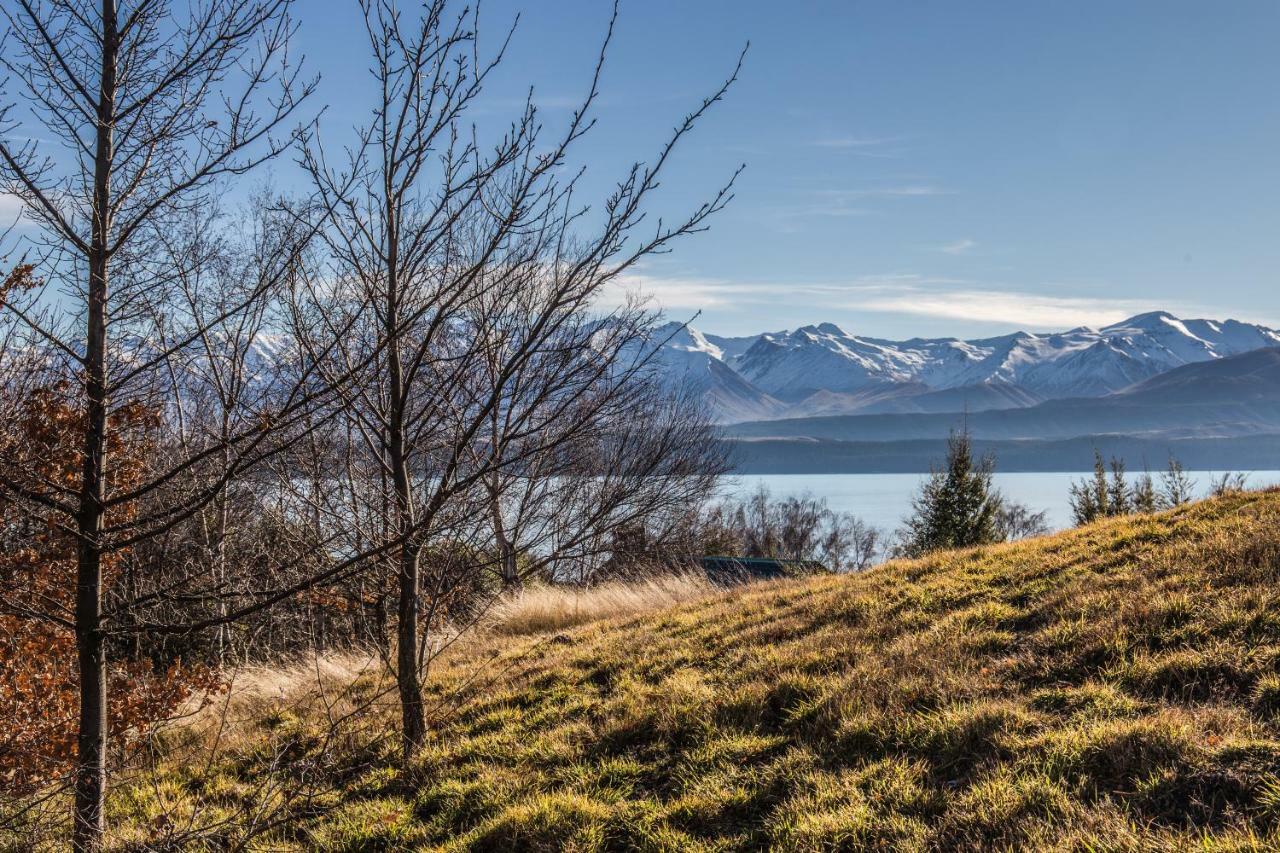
(39, 693)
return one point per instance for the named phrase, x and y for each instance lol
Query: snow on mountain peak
(823, 359)
(1144, 321)
(679, 336)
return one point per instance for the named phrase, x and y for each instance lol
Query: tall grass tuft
(543, 609)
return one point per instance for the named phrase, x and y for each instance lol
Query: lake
(884, 500)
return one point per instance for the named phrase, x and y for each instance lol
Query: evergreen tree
(956, 507)
(1143, 495)
(1175, 485)
(1105, 495)
(1229, 483)
(1091, 499)
(1119, 499)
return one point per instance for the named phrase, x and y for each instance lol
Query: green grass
(1115, 687)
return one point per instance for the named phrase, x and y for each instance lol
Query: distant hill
(823, 370)
(1253, 376)
(918, 398)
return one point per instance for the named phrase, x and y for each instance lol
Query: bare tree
(796, 527)
(635, 463)
(468, 278)
(850, 544)
(149, 107)
(1017, 521)
(1228, 483)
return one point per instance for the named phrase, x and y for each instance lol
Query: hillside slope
(1113, 687)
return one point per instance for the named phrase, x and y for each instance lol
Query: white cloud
(545, 103)
(10, 209)
(855, 141)
(905, 191)
(787, 216)
(676, 292)
(558, 102)
(1024, 310)
(694, 292)
(907, 294)
(958, 247)
(843, 203)
(880, 147)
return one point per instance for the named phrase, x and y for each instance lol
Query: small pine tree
(1175, 486)
(1143, 495)
(1119, 498)
(1091, 498)
(1229, 483)
(1109, 494)
(956, 507)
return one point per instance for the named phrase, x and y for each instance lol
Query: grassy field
(1115, 687)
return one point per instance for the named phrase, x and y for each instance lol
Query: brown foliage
(38, 681)
(21, 278)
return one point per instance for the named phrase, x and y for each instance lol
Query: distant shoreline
(918, 456)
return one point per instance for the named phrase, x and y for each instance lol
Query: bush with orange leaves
(39, 695)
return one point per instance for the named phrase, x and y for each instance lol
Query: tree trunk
(91, 740)
(412, 717)
(508, 568)
(413, 731)
(91, 764)
(413, 723)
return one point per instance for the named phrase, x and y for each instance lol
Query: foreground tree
(451, 320)
(497, 411)
(148, 106)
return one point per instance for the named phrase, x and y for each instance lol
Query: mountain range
(823, 370)
(1225, 398)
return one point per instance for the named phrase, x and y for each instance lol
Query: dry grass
(321, 683)
(542, 609)
(1109, 688)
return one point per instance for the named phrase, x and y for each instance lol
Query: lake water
(885, 499)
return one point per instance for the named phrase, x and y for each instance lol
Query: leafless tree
(850, 544)
(122, 120)
(466, 276)
(796, 527)
(450, 394)
(572, 507)
(1017, 521)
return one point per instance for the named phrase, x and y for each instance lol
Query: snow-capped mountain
(691, 359)
(822, 369)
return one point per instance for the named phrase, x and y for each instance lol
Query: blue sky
(948, 168)
(920, 168)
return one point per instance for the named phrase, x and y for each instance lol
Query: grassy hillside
(1111, 688)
